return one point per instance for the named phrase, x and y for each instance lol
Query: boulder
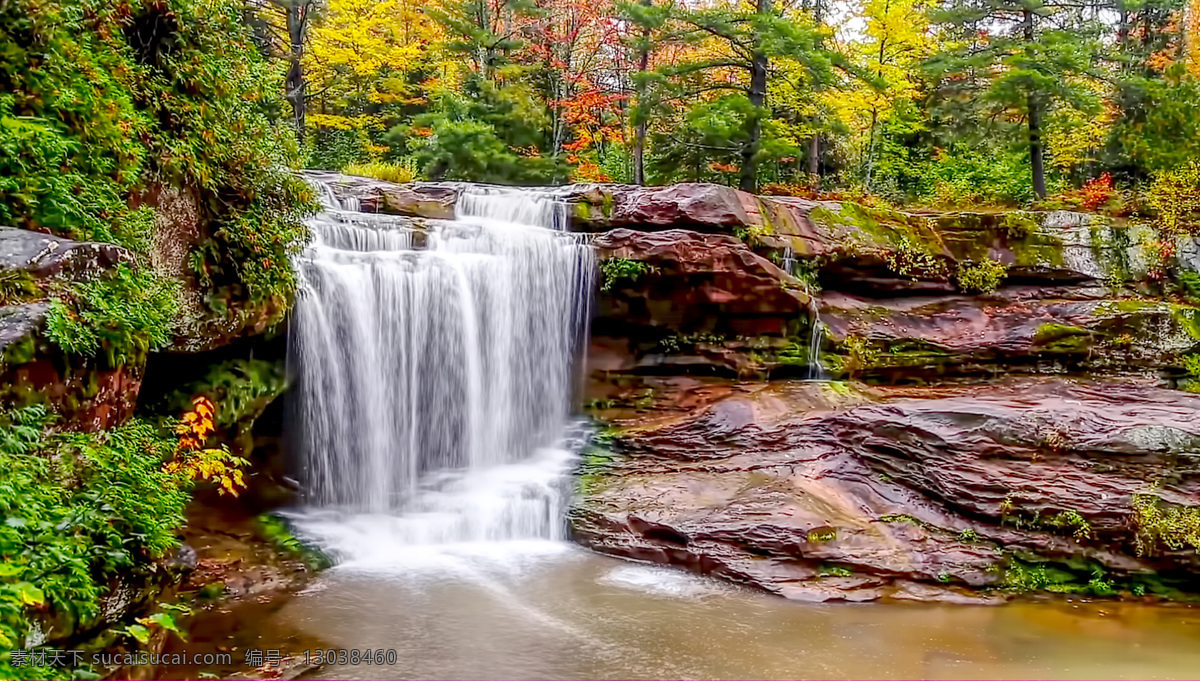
(88, 395)
(675, 290)
(1012, 330)
(826, 491)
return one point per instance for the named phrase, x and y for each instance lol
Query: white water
(433, 387)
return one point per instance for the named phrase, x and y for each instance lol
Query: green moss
(583, 211)
(19, 352)
(822, 534)
(17, 286)
(278, 533)
(1017, 225)
(607, 204)
(1063, 338)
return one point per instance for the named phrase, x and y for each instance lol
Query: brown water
(544, 610)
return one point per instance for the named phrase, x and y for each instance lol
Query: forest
(952, 103)
(957, 191)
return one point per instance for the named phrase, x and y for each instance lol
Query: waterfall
(816, 338)
(433, 386)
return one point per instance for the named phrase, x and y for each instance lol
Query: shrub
(388, 172)
(980, 277)
(1157, 526)
(614, 270)
(1175, 197)
(81, 510)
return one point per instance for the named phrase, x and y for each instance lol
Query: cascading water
(434, 386)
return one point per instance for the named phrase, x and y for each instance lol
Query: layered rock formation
(89, 394)
(1003, 416)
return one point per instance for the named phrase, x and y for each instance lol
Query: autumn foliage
(195, 461)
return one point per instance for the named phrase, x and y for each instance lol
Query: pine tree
(1016, 57)
(735, 45)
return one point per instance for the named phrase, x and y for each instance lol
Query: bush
(81, 511)
(980, 277)
(125, 314)
(104, 99)
(1175, 197)
(388, 172)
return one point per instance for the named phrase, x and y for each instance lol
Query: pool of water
(548, 610)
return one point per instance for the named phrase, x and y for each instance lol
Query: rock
(88, 395)
(918, 493)
(1006, 331)
(434, 200)
(44, 256)
(692, 205)
(670, 289)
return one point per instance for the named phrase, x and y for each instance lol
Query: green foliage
(489, 133)
(980, 277)
(81, 511)
(616, 270)
(125, 314)
(104, 99)
(1157, 526)
(277, 532)
(381, 170)
(240, 388)
(1025, 576)
(1175, 197)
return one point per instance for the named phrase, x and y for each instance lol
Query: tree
(282, 27)
(1013, 59)
(734, 47)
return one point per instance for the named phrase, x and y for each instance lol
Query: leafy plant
(1158, 526)
(81, 510)
(380, 170)
(125, 314)
(615, 270)
(983, 276)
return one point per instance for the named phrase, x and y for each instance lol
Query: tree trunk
(297, 25)
(758, 96)
(639, 134)
(1036, 161)
(1036, 152)
(814, 145)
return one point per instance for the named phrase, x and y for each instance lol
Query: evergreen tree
(1006, 59)
(737, 44)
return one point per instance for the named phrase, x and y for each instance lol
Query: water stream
(435, 369)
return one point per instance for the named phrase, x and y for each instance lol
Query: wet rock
(89, 395)
(1007, 331)
(919, 493)
(666, 290)
(43, 256)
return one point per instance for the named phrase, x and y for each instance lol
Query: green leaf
(29, 594)
(139, 632)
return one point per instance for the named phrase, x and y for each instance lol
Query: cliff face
(999, 410)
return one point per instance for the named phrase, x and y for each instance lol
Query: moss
(19, 352)
(279, 534)
(607, 204)
(1017, 225)
(17, 286)
(881, 228)
(1063, 338)
(583, 211)
(822, 534)
(1030, 573)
